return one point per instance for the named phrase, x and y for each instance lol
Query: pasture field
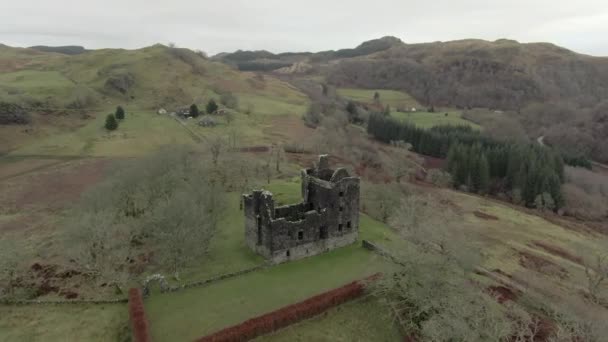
(428, 119)
(70, 323)
(393, 98)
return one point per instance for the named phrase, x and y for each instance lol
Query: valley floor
(522, 251)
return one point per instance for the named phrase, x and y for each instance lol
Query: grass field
(393, 98)
(139, 133)
(54, 81)
(195, 312)
(95, 323)
(428, 120)
(361, 320)
(529, 252)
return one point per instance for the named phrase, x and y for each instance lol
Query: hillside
(474, 73)
(87, 213)
(60, 92)
(547, 88)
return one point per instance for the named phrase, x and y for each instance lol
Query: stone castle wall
(327, 218)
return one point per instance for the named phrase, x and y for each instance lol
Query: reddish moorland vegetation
(137, 314)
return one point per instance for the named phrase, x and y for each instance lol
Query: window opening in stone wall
(340, 227)
(323, 232)
(288, 253)
(341, 193)
(259, 230)
(300, 235)
(341, 208)
(348, 225)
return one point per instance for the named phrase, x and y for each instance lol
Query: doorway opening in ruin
(323, 232)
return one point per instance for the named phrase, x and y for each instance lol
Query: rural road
(604, 167)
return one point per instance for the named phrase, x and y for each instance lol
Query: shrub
(586, 194)
(439, 177)
(229, 100)
(313, 116)
(111, 123)
(12, 114)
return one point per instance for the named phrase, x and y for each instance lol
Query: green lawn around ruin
(360, 320)
(192, 313)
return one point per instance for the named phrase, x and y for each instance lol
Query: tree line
(531, 174)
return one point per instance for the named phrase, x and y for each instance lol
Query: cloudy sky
(305, 25)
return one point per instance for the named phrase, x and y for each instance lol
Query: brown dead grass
(57, 187)
(485, 216)
(558, 251)
(288, 129)
(542, 265)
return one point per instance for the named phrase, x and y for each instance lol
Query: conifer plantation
(530, 174)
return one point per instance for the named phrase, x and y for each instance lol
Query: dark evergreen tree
(120, 113)
(194, 112)
(351, 109)
(377, 97)
(484, 175)
(211, 106)
(111, 123)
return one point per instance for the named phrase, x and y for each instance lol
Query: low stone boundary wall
(291, 314)
(137, 315)
(380, 251)
(214, 279)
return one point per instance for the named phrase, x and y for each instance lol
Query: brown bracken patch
(485, 216)
(55, 188)
(502, 293)
(433, 163)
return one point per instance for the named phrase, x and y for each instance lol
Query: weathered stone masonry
(327, 217)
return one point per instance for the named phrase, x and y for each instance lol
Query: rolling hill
(61, 93)
(547, 88)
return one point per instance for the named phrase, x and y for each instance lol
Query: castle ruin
(327, 217)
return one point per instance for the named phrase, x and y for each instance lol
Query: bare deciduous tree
(596, 271)
(184, 226)
(430, 289)
(102, 247)
(215, 146)
(9, 271)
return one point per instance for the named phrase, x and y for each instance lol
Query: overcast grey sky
(305, 25)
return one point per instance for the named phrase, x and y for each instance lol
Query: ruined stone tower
(327, 217)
